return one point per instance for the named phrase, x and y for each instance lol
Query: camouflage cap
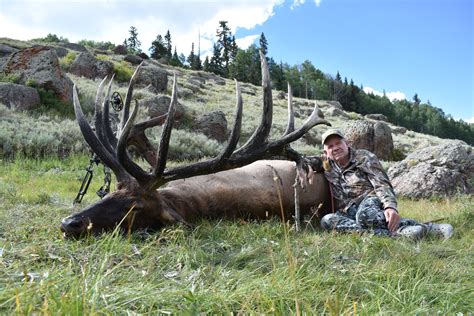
(330, 132)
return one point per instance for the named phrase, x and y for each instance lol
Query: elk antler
(257, 147)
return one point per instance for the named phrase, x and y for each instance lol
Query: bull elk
(233, 184)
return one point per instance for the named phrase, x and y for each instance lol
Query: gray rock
(74, 46)
(159, 105)
(40, 65)
(336, 104)
(154, 76)
(18, 97)
(60, 51)
(399, 130)
(120, 50)
(213, 125)
(133, 59)
(86, 65)
(375, 137)
(6, 50)
(333, 111)
(377, 117)
(441, 170)
(142, 55)
(218, 81)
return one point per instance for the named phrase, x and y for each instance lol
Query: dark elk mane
(133, 180)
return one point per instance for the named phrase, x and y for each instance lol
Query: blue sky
(400, 46)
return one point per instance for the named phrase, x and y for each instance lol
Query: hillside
(199, 95)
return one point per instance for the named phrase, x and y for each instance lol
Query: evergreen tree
(133, 44)
(224, 41)
(167, 44)
(174, 61)
(205, 66)
(215, 64)
(416, 99)
(263, 44)
(191, 57)
(158, 49)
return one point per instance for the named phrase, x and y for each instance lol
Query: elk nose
(73, 226)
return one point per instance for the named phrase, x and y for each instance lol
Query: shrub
(66, 61)
(123, 71)
(13, 78)
(23, 135)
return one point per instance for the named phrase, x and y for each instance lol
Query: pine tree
(133, 44)
(205, 66)
(224, 41)
(158, 49)
(174, 61)
(168, 44)
(191, 57)
(263, 44)
(416, 99)
(215, 64)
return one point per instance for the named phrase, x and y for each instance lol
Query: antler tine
(313, 120)
(291, 114)
(235, 134)
(128, 97)
(98, 115)
(95, 144)
(112, 140)
(166, 133)
(260, 135)
(135, 170)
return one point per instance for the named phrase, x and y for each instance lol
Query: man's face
(336, 148)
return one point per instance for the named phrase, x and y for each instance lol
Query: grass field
(218, 267)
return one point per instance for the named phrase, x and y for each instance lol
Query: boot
(440, 230)
(414, 232)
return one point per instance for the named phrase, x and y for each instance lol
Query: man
(363, 196)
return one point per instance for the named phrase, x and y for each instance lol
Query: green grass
(218, 267)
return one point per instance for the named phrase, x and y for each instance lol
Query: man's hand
(393, 219)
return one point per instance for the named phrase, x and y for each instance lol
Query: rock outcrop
(375, 137)
(86, 65)
(154, 77)
(442, 170)
(39, 65)
(213, 125)
(18, 97)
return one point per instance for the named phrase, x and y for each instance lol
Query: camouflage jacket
(364, 176)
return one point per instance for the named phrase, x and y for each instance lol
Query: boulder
(154, 76)
(74, 46)
(375, 137)
(142, 55)
(441, 170)
(398, 129)
(6, 50)
(120, 50)
(60, 51)
(377, 117)
(40, 65)
(334, 111)
(336, 104)
(18, 97)
(133, 59)
(87, 66)
(213, 125)
(159, 105)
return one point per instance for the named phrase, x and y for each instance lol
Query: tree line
(230, 61)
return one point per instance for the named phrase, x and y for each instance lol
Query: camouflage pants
(367, 216)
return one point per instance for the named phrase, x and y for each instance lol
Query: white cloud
(397, 95)
(470, 120)
(297, 3)
(110, 20)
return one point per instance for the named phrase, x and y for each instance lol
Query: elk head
(136, 203)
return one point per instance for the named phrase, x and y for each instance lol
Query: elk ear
(170, 216)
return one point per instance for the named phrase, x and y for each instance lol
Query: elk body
(233, 184)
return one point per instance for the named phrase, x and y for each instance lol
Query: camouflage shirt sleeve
(379, 180)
